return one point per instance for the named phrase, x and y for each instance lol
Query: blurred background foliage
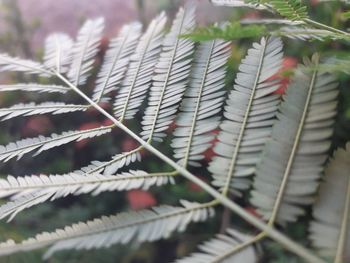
(24, 25)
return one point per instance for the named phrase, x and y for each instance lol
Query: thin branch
(344, 228)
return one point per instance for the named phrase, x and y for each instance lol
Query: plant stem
(323, 26)
(341, 245)
(270, 231)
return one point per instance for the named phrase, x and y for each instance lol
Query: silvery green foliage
(202, 103)
(41, 143)
(8, 63)
(306, 33)
(58, 48)
(145, 225)
(170, 78)
(31, 190)
(291, 165)
(237, 3)
(223, 249)
(84, 51)
(138, 76)
(116, 60)
(180, 83)
(249, 114)
(110, 167)
(42, 108)
(270, 21)
(330, 231)
(34, 87)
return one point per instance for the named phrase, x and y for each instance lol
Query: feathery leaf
(238, 3)
(116, 60)
(306, 33)
(84, 50)
(34, 87)
(270, 21)
(42, 108)
(249, 113)
(223, 249)
(41, 143)
(291, 9)
(110, 167)
(202, 102)
(171, 75)
(330, 230)
(292, 160)
(229, 31)
(58, 48)
(31, 190)
(8, 63)
(145, 225)
(138, 77)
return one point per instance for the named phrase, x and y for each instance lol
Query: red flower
(171, 127)
(288, 63)
(209, 153)
(139, 199)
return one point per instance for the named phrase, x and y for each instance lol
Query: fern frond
(139, 74)
(238, 3)
(249, 114)
(171, 74)
(58, 48)
(330, 230)
(306, 33)
(145, 225)
(223, 249)
(31, 190)
(110, 167)
(34, 87)
(116, 60)
(8, 63)
(291, 9)
(202, 102)
(84, 50)
(270, 21)
(335, 64)
(41, 143)
(42, 108)
(292, 160)
(229, 31)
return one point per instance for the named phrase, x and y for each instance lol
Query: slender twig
(323, 26)
(344, 229)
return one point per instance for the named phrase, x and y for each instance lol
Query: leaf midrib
(139, 222)
(166, 80)
(198, 103)
(342, 239)
(56, 138)
(245, 121)
(106, 178)
(293, 153)
(132, 85)
(115, 59)
(81, 56)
